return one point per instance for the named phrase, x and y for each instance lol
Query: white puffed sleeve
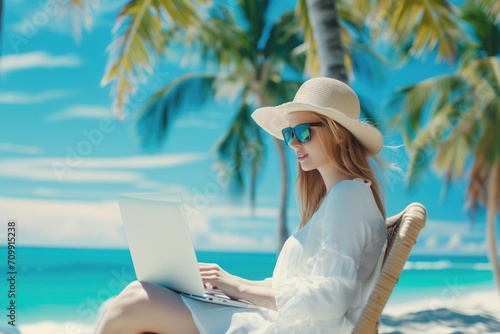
(328, 290)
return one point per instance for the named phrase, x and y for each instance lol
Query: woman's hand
(218, 278)
(259, 293)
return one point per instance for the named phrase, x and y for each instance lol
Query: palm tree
(411, 27)
(323, 33)
(337, 30)
(250, 68)
(340, 57)
(463, 115)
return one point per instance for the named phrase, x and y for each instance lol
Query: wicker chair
(402, 233)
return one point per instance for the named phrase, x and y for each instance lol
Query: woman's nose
(295, 142)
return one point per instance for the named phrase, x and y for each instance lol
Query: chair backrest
(402, 232)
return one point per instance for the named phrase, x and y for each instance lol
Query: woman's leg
(143, 307)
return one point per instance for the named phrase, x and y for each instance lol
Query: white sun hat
(325, 96)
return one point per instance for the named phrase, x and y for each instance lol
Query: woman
(326, 269)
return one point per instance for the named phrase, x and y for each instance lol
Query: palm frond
(422, 145)
(492, 8)
(360, 58)
(486, 31)
(413, 100)
(483, 74)
(254, 11)
(312, 61)
(366, 62)
(278, 91)
(242, 148)
(486, 163)
(353, 13)
(368, 110)
(461, 131)
(218, 40)
(141, 33)
(462, 119)
(428, 116)
(426, 24)
(156, 116)
(476, 191)
(490, 139)
(284, 42)
(78, 14)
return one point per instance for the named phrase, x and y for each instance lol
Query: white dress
(323, 275)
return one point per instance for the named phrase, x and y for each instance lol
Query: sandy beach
(477, 312)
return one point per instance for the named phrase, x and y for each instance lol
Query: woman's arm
(332, 272)
(267, 282)
(259, 293)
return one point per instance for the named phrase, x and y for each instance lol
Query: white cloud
(66, 193)
(37, 59)
(446, 228)
(431, 242)
(209, 234)
(455, 241)
(25, 149)
(62, 223)
(200, 217)
(475, 248)
(445, 237)
(75, 168)
(151, 161)
(81, 111)
(98, 193)
(59, 16)
(65, 223)
(37, 170)
(33, 98)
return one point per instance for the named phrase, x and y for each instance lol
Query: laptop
(161, 247)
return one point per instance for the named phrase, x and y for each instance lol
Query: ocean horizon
(70, 285)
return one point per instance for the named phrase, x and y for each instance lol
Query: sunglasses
(300, 131)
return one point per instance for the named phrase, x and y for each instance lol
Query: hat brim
(274, 119)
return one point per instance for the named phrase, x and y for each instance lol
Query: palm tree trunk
(282, 219)
(492, 210)
(282, 230)
(326, 31)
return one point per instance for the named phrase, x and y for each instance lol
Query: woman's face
(310, 155)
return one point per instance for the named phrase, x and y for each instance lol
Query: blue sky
(64, 155)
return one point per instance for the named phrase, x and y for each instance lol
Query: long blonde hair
(347, 154)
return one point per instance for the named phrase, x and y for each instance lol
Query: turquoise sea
(60, 285)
